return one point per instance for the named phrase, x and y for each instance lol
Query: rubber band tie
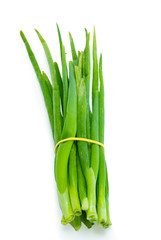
(79, 139)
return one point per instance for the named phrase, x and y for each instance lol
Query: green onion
(64, 72)
(76, 223)
(73, 50)
(101, 202)
(59, 80)
(56, 94)
(63, 152)
(86, 222)
(80, 167)
(42, 81)
(73, 187)
(82, 187)
(95, 68)
(93, 171)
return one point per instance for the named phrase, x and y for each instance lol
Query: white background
(129, 36)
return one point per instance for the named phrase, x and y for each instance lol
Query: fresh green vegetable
(82, 187)
(86, 222)
(73, 187)
(76, 223)
(87, 82)
(64, 72)
(56, 94)
(101, 202)
(95, 69)
(80, 168)
(73, 50)
(43, 81)
(81, 121)
(108, 222)
(59, 80)
(93, 171)
(69, 130)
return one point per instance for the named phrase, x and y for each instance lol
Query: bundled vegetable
(78, 132)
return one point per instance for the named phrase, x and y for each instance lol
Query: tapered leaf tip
(70, 35)
(36, 31)
(39, 35)
(57, 27)
(100, 62)
(87, 33)
(60, 39)
(70, 63)
(94, 33)
(22, 34)
(101, 57)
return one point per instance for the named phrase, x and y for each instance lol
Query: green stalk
(60, 83)
(108, 221)
(48, 83)
(95, 136)
(44, 84)
(60, 40)
(74, 53)
(81, 119)
(101, 103)
(76, 223)
(65, 81)
(95, 68)
(69, 130)
(103, 191)
(48, 55)
(93, 172)
(63, 221)
(73, 186)
(101, 202)
(81, 132)
(87, 82)
(56, 93)
(82, 188)
(87, 64)
(64, 72)
(86, 222)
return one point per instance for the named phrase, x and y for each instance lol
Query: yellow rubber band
(79, 139)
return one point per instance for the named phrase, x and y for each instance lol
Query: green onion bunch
(79, 167)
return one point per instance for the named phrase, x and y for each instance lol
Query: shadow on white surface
(84, 233)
